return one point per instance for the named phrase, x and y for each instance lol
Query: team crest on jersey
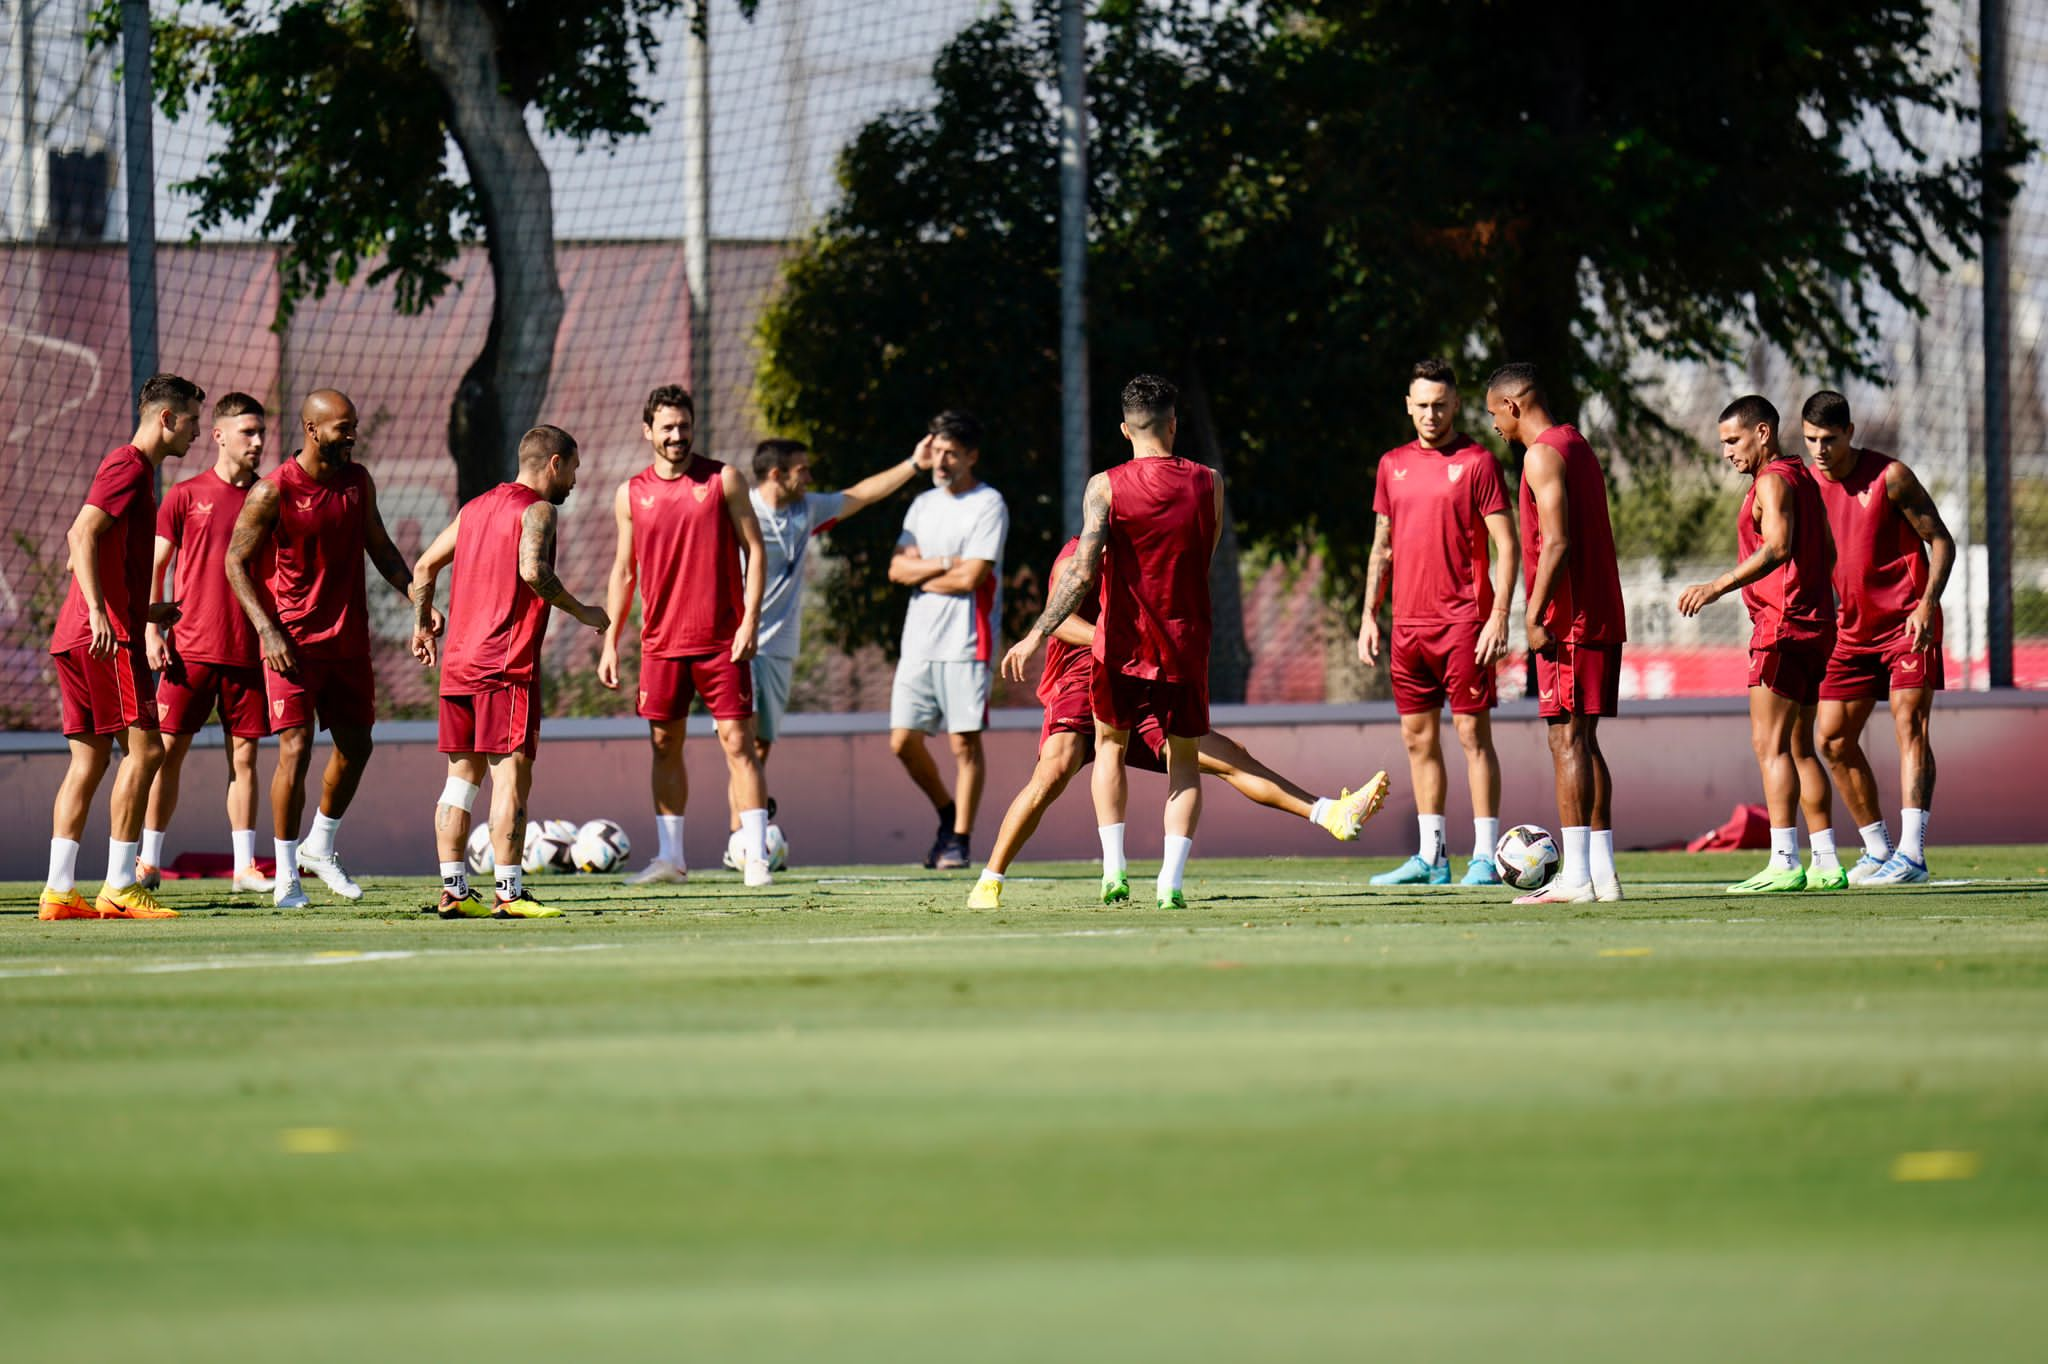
(700, 491)
(1864, 496)
(1456, 471)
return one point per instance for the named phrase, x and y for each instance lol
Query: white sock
(245, 847)
(320, 843)
(455, 877)
(669, 830)
(1823, 845)
(1574, 870)
(754, 828)
(120, 863)
(1175, 868)
(152, 851)
(63, 864)
(1784, 848)
(1877, 840)
(1913, 833)
(991, 874)
(287, 863)
(1600, 855)
(510, 883)
(1485, 836)
(1112, 836)
(1319, 809)
(1431, 849)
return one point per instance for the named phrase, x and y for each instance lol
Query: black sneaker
(954, 855)
(942, 837)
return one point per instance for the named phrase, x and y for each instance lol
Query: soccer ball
(778, 850)
(600, 846)
(481, 859)
(1526, 856)
(547, 846)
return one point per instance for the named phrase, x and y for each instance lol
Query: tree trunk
(501, 392)
(1230, 661)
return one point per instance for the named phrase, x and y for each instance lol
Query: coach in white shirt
(950, 557)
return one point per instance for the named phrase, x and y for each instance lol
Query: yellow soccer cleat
(1349, 812)
(468, 905)
(64, 904)
(131, 902)
(524, 906)
(987, 894)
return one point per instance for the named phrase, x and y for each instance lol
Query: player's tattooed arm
(1774, 520)
(537, 566)
(1073, 630)
(426, 572)
(1904, 489)
(1543, 473)
(618, 592)
(1083, 571)
(1377, 561)
(252, 527)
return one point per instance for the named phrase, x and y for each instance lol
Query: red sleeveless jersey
(198, 517)
(316, 561)
(1880, 560)
(495, 621)
(1069, 669)
(1585, 603)
(687, 558)
(1155, 570)
(1795, 600)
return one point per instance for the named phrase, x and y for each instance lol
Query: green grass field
(848, 1120)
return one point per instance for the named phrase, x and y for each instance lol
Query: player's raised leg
(1341, 815)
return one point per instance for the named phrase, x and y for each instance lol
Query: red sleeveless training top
(1155, 570)
(495, 621)
(1585, 605)
(316, 561)
(1796, 600)
(687, 557)
(1880, 560)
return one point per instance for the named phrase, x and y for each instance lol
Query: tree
(339, 114)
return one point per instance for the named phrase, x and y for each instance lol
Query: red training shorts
(1124, 702)
(1579, 679)
(1792, 668)
(1874, 674)
(342, 692)
(503, 720)
(105, 695)
(187, 693)
(1434, 662)
(668, 684)
(1147, 755)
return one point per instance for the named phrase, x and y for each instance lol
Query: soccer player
(1893, 556)
(1438, 502)
(1574, 621)
(1788, 559)
(316, 516)
(950, 556)
(103, 680)
(1066, 741)
(1155, 519)
(502, 545)
(683, 522)
(789, 515)
(211, 659)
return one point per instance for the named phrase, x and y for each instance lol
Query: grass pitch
(848, 1120)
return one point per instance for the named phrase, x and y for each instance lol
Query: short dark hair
(1149, 400)
(668, 395)
(168, 390)
(236, 404)
(1435, 370)
(1751, 409)
(1827, 408)
(1520, 376)
(962, 428)
(543, 443)
(774, 455)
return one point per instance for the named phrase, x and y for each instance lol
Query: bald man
(317, 514)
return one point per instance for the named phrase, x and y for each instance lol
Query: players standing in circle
(789, 515)
(950, 556)
(1438, 501)
(1893, 556)
(1149, 529)
(502, 545)
(1575, 622)
(103, 680)
(683, 522)
(211, 658)
(1066, 741)
(1788, 560)
(316, 516)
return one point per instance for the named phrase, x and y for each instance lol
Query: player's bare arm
(1543, 472)
(425, 573)
(1904, 489)
(537, 526)
(157, 645)
(258, 518)
(1507, 554)
(739, 507)
(875, 487)
(83, 541)
(384, 553)
(1083, 571)
(1377, 561)
(1774, 515)
(618, 592)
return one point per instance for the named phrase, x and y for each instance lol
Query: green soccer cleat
(1838, 879)
(987, 894)
(1172, 899)
(1117, 888)
(1771, 880)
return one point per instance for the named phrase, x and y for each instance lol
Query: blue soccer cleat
(1416, 872)
(1865, 868)
(1901, 870)
(1481, 872)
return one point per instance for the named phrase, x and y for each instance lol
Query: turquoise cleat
(1480, 873)
(1416, 872)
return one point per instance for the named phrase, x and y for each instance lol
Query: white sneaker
(735, 858)
(659, 872)
(1557, 893)
(758, 873)
(250, 879)
(1866, 867)
(1607, 892)
(331, 873)
(290, 895)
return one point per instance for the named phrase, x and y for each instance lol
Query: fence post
(138, 157)
(1997, 349)
(1074, 460)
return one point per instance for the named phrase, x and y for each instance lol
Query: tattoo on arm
(537, 556)
(252, 527)
(1082, 573)
(1377, 561)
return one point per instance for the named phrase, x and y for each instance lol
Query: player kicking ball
(502, 546)
(1066, 743)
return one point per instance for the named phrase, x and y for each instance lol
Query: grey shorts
(940, 698)
(771, 695)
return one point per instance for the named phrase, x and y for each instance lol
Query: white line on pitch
(336, 958)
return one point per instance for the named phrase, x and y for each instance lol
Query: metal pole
(1074, 461)
(139, 165)
(22, 207)
(1997, 351)
(697, 213)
